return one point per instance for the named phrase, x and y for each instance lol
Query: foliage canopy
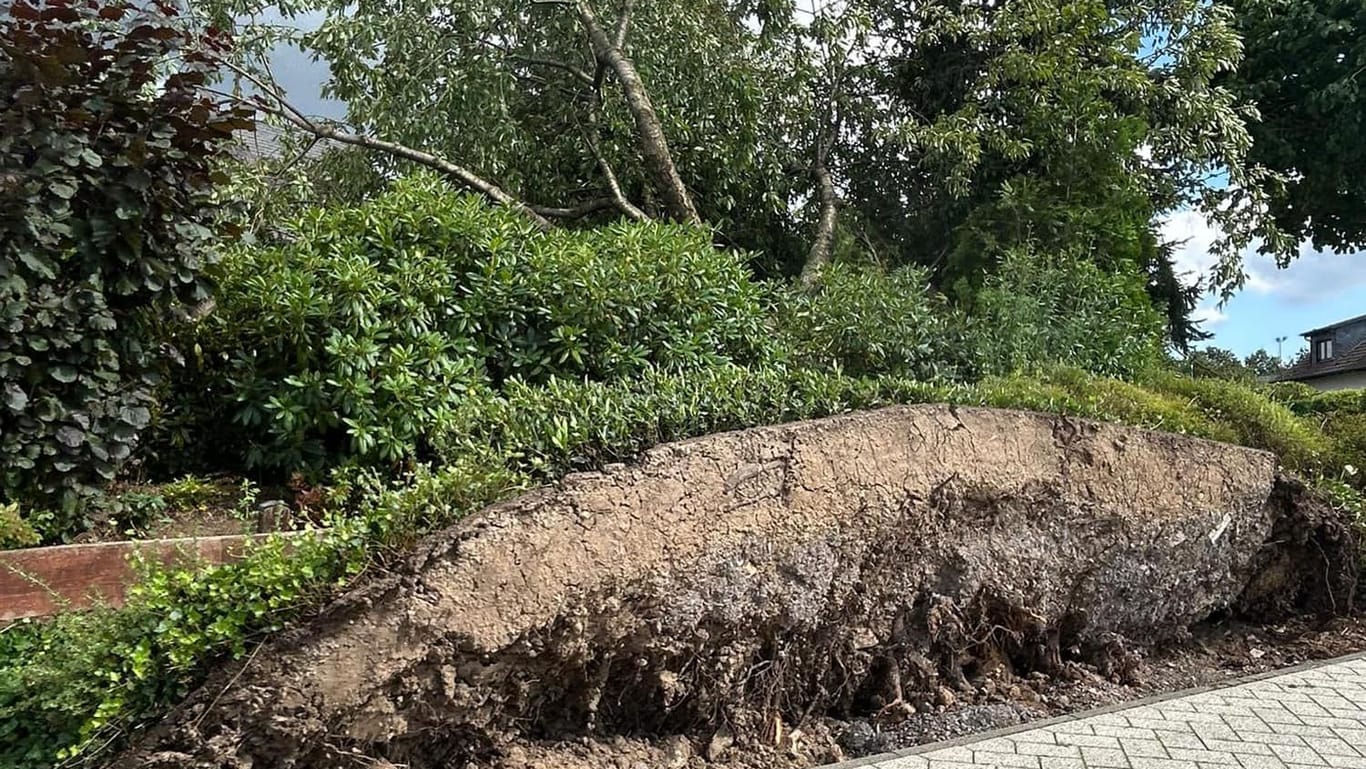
(1303, 69)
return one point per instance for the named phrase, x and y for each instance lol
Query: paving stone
(1088, 740)
(988, 758)
(1304, 730)
(1353, 736)
(1216, 732)
(1104, 758)
(1261, 762)
(1177, 740)
(1204, 756)
(1036, 735)
(1309, 718)
(1248, 723)
(1127, 731)
(1045, 749)
(961, 753)
(1144, 748)
(1271, 738)
(1296, 754)
(1144, 762)
(1237, 747)
(998, 745)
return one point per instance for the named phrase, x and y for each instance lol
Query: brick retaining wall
(45, 580)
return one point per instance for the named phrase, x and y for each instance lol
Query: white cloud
(1208, 314)
(1313, 276)
(1194, 238)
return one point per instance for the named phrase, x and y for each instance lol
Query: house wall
(1347, 380)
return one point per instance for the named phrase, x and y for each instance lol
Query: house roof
(1352, 360)
(269, 142)
(1332, 326)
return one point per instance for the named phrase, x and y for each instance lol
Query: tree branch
(536, 61)
(823, 245)
(273, 102)
(578, 73)
(613, 186)
(623, 24)
(576, 212)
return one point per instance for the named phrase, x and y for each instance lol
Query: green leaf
(15, 398)
(137, 416)
(62, 373)
(70, 437)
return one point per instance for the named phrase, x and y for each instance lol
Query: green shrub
(1295, 395)
(565, 425)
(866, 322)
(1114, 400)
(1347, 430)
(1257, 420)
(358, 336)
(1346, 495)
(1037, 311)
(190, 492)
(107, 141)
(86, 673)
(15, 532)
(1303, 399)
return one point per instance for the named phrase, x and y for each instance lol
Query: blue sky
(1316, 290)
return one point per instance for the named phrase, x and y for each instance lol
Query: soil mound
(725, 589)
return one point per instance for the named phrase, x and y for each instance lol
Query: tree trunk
(653, 143)
(819, 255)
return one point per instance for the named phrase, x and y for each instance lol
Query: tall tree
(1263, 363)
(1305, 69)
(1047, 125)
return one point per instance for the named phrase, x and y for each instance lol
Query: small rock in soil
(860, 738)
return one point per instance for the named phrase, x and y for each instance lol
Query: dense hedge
(372, 323)
(1339, 416)
(364, 327)
(865, 321)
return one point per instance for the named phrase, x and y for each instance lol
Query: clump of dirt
(752, 596)
(1284, 578)
(1216, 652)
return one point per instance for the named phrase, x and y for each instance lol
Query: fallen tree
(741, 583)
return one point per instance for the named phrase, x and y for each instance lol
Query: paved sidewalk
(1314, 716)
